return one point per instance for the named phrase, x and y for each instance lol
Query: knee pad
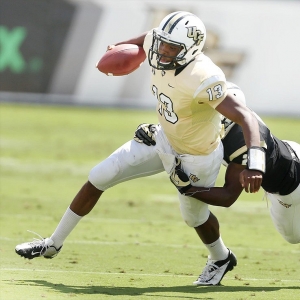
(103, 174)
(289, 233)
(132, 160)
(193, 211)
(285, 219)
(292, 239)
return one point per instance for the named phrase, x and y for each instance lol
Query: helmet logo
(195, 34)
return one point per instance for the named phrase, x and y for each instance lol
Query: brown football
(121, 60)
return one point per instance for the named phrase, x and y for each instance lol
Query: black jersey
(282, 165)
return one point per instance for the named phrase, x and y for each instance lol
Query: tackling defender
(191, 95)
(281, 181)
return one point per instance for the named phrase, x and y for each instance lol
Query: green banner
(32, 37)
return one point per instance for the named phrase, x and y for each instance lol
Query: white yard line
(133, 274)
(99, 220)
(191, 246)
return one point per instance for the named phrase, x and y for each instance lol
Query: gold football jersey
(186, 102)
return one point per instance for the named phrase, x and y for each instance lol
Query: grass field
(134, 244)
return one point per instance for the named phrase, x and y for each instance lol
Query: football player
(191, 95)
(281, 181)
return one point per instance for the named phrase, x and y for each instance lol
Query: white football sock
(64, 228)
(217, 250)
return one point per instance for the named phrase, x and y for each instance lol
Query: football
(121, 60)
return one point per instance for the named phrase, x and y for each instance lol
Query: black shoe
(37, 248)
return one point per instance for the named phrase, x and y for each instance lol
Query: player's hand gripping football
(179, 178)
(145, 134)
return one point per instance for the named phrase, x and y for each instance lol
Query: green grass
(134, 244)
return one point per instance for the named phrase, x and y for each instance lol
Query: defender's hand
(251, 180)
(179, 178)
(145, 134)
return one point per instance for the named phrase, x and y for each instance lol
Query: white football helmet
(180, 29)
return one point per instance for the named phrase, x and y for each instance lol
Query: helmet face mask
(179, 29)
(163, 61)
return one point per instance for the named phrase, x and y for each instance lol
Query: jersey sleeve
(212, 91)
(235, 149)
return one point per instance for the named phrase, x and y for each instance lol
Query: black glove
(179, 178)
(145, 134)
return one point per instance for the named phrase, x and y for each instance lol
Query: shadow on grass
(138, 291)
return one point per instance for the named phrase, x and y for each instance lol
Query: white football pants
(135, 160)
(285, 210)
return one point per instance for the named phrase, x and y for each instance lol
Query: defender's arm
(221, 196)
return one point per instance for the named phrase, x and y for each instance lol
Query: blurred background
(49, 49)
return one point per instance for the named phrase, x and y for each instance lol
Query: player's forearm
(217, 196)
(250, 128)
(139, 40)
(221, 196)
(242, 115)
